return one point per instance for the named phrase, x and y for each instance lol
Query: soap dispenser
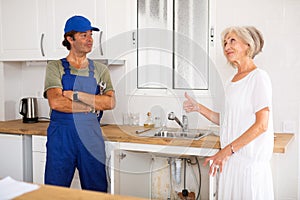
(149, 122)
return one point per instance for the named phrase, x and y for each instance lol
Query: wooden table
(47, 192)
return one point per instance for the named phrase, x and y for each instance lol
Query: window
(173, 44)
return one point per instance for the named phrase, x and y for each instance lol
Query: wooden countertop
(48, 192)
(120, 133)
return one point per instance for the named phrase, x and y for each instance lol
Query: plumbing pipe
(172, 163)
(178, 170)
(151, 168)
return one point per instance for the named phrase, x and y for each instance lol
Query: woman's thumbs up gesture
(190, 104)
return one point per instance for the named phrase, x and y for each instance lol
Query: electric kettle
(29, 109)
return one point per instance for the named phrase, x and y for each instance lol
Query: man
(77, 87)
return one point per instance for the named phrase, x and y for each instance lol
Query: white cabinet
(59, 11)
(15, 156)
(34, 29)
(121, 26)
(11, 156)
(23, 26)
(134, 166)
(148, 168)
(38, 158)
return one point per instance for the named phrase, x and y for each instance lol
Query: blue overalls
(74, 140)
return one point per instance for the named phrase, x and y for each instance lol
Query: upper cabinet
(58, 12)
(34, 29)
(22, 29)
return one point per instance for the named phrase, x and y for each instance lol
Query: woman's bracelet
(232, 150)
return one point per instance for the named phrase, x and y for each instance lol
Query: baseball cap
(79, 23)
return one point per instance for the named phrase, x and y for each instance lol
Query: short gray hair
(250, 35)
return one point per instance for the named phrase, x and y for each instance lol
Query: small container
(126, 119)
(157, 122)
(149, 122)
(135, 119)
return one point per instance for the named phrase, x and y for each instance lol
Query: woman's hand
(218, 160)
(190, 105)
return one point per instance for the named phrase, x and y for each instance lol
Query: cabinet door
(11, 156)
(136, 167)
(58, 13)
(22, 29)
(38, 167)
(120, 25)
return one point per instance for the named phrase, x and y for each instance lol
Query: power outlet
(289, 126)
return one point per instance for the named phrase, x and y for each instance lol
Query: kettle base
(30, 120)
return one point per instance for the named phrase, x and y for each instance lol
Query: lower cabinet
(161, 176)
(39, 161)
(136, 167)
(11, 156)
(138, 170)
(15, 156)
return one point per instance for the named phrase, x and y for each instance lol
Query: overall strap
(66, 65)
(91, 68)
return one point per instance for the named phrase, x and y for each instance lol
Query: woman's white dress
(247, 174)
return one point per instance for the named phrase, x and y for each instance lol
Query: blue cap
(79, 24)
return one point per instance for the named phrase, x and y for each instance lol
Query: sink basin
(192, 134)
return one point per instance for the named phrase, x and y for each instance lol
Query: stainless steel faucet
(183, 124)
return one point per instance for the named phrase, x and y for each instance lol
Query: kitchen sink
(192, 134)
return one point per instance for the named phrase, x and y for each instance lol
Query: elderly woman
(246, 133)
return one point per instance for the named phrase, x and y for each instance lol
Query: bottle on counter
(149, 122)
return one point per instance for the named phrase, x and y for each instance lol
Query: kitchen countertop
(120, 133)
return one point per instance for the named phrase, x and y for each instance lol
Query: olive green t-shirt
(55, 71)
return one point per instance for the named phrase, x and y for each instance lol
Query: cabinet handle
(42, 44)
(133, 38)
(100, 43)
(212, 35)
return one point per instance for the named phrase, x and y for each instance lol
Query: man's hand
(68, 94)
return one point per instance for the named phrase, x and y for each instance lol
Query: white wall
(23, 79)
(279, 21)
(1, 92)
